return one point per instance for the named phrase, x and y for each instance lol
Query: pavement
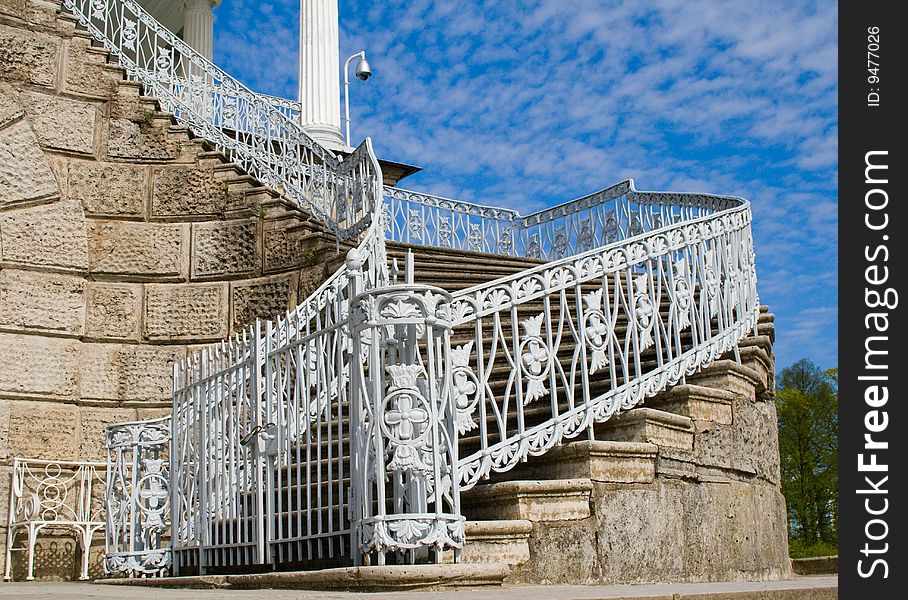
(820, 588)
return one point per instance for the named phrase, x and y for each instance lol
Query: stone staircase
(125, 242)
(166, 246)
(599, 509)
(648, 496)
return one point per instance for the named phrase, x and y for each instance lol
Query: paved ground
(84, 591)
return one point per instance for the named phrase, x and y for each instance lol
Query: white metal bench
(54, 495)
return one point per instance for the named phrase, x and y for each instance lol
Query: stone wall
(684, 488)
(124, 244)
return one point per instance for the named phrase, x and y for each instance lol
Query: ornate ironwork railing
(599, 331)
(252, 129)
(54, 495)
(138, 498)
(608, 216)
(345, 430)
(262, 453)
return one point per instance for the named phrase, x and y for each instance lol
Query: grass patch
(798, 549)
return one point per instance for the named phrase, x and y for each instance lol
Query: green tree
(807, 405)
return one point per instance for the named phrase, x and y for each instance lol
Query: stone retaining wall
(124, 244)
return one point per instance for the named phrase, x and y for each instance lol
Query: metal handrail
(246, 126)
(358, 393)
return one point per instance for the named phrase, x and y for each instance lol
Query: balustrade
(345, 430)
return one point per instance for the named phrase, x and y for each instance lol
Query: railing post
(137, 499)
(354, 264)
(407, 488)
(203, 460)
(258, 362)
(175, 467)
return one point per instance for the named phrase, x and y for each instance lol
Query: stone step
(601, 461)
(450, 253)
(553, 500)
(405, 580)
(731, 376)
(696, 402)
(498, 542)
(664, 429)
(360, 579)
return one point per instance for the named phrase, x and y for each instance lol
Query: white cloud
(534, 102)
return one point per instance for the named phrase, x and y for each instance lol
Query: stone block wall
(703, 503)
(124, 242)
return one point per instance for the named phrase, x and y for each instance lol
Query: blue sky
(528, 104)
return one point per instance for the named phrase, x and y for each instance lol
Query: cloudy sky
(530, 103)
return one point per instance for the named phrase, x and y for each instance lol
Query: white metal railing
(345, 430)
(137, 500)
(262, 454)
(252, 129)
(608, 216)
(583, 337)
(50, 496)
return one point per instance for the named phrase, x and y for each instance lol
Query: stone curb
(364, 579)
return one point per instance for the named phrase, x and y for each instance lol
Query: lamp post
(363, 72)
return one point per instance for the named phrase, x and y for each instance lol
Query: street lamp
(364, 72)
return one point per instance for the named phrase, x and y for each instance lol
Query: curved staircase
(584, 394)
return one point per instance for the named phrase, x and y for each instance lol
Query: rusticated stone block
(225, 248)
(128, 373)
(43, 430)
(194, 312)
(52, 235)
(146, 414)
(766, 444)
(25, 174)
(15, 5)
(139, 249)
(4, 435)
(41, 301)
(10, 107)
(281, 251)
(734, 528)
(93, 425)
(38, 366)
(186, 191)
(85, 73)
(750, 445)
(28, 56)
(138, 141)
(113, 311)
(62, 123)
(108, 188)
(264, 300)
(642, 531)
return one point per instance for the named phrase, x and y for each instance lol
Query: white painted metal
(138, 499)
(633, 317)
(333, 433)
(54, 495)
(244, 125)
(362, 56)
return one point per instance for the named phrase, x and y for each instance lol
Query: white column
(198, 25)
(319, 66)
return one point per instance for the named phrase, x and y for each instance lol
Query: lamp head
(363, 70)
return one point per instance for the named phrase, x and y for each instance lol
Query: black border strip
(873, 226)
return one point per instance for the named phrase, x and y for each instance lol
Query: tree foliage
(807, 405)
